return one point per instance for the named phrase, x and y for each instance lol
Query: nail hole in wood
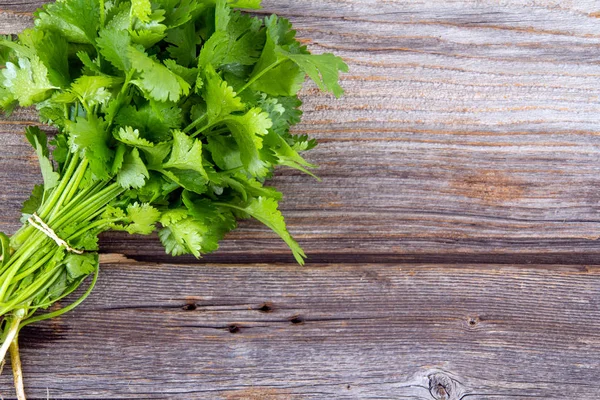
(472, 321)
(233, 328)
(297, 320)
(265, 308)
(190, 307)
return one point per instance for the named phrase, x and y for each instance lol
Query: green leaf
(143, 218)
(155, 153)
(186, 154)
(28, 81)
(52, 49)
(112, 43)
(247, 130)
(77, 20)
(185, 234)
(131, 136)
(141, 9)
(149, 33)
(238, 39)
(90, 67)
(190, 75)
(221, 100)
(178, 12)
(154, 120)
(155, 79)
(133, 173)
(250, 4)
(34, 201)
(187, 179)
(90, 138)
(275, 72)
(286, 155)
(39, 141)
(139, 218)
(118, 159)
(265, 210)
(79, 265)
(225, 152)
(323, 69)
(184, 44)
(92, 90)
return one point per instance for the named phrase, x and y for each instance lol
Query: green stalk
(260, 75)
(15, 361)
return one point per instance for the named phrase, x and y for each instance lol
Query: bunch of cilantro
(171, 115)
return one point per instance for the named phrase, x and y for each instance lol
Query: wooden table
(453, 241)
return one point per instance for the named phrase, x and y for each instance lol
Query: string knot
(40, 225)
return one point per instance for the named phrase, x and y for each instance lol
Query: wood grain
(469, 130)
(468, 138)
(323, 332)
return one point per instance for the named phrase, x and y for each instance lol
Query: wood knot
(442, 387)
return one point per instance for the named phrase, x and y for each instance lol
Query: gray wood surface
(468, 138)
(323, 332)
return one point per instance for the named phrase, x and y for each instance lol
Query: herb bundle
(171, 115)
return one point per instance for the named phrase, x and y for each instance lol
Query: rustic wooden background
(453, 241)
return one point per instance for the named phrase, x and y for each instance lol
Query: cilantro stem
(195, 123)
(58, 191)
(15, 360)
(102, 13)
(260, 75)
(71, 187)
(13, 330)
(67, 308)
(207, 127)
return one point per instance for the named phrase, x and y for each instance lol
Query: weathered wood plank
(468, 130)
(323, 332)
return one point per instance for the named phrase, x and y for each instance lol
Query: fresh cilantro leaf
(112, 43)
(225, 152)
(39, 141)
(89, 137)
(184, 44)
(247, 130)
(323, 69)
(149, 33)
(155, 79)
(52, 49)
(178, 12)
(142, 218)
(77, 20)
(28, 81)
(265, 210)
(190, 75)
(80, 264)
(92, 90)
(118, 159)
(186, 154)
(154, 120)
(138, 219)
(90, 67)
(249, 4)
(238, 39)
(221, 100)
(269, 74)
(286, 155)
(182, 234)
(131, 136)
(141, 9)
(34, 201)
(133, 172)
